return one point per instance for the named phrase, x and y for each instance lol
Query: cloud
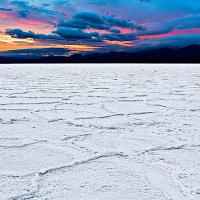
(74, 28)
(115, 30)
(89, 17)
(5, 9)
(96, 20)
(62, 33)
(186, 22)
(18, 33)
(119, 37)
(23, 13)
(72, 33)
(113, 21)
(83, 24)
(25, 6)
(35, 52)
(84, 20)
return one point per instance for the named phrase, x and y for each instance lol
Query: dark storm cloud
(5, 9)
(83, 24)
(113, 21)
(84, 20)
(18, 33)
(72, 33)
(62, 33)
(23, 13)
(73, 29)
(115, 31)
(89, 17)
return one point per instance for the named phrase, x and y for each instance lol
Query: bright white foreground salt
(100, 132)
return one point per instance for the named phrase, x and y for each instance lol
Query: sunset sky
(62, 27)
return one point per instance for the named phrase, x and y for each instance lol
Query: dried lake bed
(101, 132)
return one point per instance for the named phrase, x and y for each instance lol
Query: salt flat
(100, 132)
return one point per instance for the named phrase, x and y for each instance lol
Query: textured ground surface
(90, 132)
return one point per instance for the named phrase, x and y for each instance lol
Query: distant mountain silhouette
(189, 54)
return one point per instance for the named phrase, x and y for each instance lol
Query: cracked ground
(114, 132)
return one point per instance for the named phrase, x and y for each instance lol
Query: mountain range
(189, 54)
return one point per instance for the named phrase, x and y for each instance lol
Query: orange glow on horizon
(77, 47)
(9, 43)
(126, 44)
(16, 46)
(8, 39)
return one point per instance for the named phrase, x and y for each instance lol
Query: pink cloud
(172, 33)
(6, 16)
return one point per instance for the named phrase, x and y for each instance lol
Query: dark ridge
(189, 54)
